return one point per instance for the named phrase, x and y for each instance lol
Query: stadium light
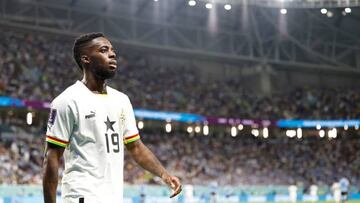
(233, 131)
(332, 133)
(227, 7)
(322, 133)
(240, 127)
(283, 11)
(330, 14)
(156, 0)
(140, 125)
(208, 5)
(255, 132)
(323, 11)
(347, 10)
(168, 127)
(206, 129)
(192, 3)
(197, 129)
(346, 127)
(299, 133)
(189, 129)
(318, 127)
(29, 118)
(290, 133)
(265, 133)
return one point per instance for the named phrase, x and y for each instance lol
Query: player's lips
(113, 64)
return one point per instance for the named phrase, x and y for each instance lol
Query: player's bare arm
(147, 160)
(52, 157)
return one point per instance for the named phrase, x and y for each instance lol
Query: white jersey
(93, 129)
(344, 184)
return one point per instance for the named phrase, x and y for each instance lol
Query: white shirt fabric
(93, 129)
(344, 184)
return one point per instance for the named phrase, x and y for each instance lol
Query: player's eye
(103, 49)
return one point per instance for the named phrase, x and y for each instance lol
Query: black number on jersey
(114, 142)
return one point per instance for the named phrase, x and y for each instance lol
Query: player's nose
(112, 55)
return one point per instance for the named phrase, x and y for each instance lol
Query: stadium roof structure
(255, 32)
(293, 3)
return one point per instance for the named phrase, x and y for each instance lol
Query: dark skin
(99, 63)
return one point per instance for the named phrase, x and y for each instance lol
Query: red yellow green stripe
(131, 139)
(56, 141)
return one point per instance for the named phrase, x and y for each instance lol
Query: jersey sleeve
(60, 123)
(131, 132)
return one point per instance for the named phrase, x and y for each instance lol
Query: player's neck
(95, 85)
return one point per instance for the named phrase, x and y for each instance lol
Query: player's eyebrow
(107, 47)
(104, 46)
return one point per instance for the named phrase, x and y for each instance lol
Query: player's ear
(85, 59)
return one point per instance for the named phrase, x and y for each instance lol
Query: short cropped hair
(79, 44)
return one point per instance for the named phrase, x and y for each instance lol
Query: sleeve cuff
(56, 141)
(131, 139)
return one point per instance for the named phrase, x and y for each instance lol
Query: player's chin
(111, 74)
(107, 74)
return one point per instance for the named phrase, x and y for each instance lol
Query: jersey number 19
(114, 142)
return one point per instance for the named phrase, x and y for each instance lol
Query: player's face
(102, 58)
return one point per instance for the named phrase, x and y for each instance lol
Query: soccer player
(336, 192)
(88, 125)
(344, 187)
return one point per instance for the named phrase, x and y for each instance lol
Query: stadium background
(242, 99)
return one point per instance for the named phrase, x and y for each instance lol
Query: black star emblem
(109, 124)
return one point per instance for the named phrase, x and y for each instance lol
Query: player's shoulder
(117, 93)
(68, 95)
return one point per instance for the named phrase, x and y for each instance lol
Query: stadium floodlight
(189, 129)
(347, 10)
(192, 3)
(323, 11)
(227, 7)
(206, 129)
(168, 127)
(335, 132)
(255, 132)
(240, 127)
(299, 133)
(29, 118)
(208, 5)
(318, 127)
(290, 133)
(141, 125)
(332, 133)
(283, 11)
(197, 129)
(346, 127)
(265, 133)
(233, 131)
(329, 14)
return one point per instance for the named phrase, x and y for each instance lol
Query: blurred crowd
(21, 159)
(202, 160)
(253, 161)
(39, 67)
